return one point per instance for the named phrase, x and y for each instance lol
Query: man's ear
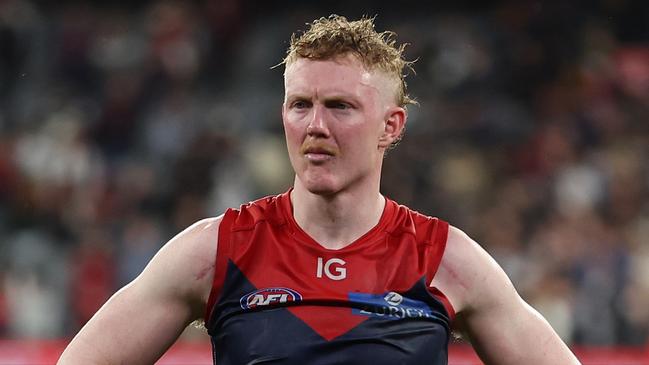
(393, 126)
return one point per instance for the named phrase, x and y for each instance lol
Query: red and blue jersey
(280, 297)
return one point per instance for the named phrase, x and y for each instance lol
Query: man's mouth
(318, 153)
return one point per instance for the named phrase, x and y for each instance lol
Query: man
(330, 272)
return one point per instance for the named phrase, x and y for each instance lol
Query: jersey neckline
(367, 238)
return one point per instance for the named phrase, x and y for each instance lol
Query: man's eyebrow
(337, 100)
(332, 97)
(296, 96)
(342, 97)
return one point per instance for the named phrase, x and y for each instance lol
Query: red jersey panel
(278, 296)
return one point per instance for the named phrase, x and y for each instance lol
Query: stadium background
(122, 124)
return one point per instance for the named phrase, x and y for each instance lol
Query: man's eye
(300, 104)
(339, 105)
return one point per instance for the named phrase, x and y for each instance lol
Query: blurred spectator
(4, 310)
(36, 283)
(141, 238)
(92, 278)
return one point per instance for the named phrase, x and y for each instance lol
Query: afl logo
(264, 297)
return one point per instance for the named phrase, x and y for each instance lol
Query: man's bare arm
(143, 319)
(503, 328)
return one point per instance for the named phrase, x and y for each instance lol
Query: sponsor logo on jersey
(393, 298)
(269, 296)
(333, 268)
(390, 305)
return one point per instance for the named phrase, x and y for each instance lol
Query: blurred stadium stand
(121, 124)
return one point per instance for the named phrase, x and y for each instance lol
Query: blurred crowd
(122, 124)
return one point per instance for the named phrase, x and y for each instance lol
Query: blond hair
(335, 36)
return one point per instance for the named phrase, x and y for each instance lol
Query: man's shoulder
(197, 242)
(462, 252)
(464, 269)
(187, 261)
(425, 227)
(402, 209)
(201, 232)
(272, 208)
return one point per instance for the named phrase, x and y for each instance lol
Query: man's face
(339, 118)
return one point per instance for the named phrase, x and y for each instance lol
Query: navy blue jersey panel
(399, 328)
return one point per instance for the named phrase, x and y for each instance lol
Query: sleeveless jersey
(279, 297)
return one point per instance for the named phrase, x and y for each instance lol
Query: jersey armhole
(220, 262)
(439, 240)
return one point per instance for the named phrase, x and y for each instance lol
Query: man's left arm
(501, 326)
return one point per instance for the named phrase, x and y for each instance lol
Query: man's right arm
(503, 329)
(143, 319)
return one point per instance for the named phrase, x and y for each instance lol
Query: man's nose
(318, 124)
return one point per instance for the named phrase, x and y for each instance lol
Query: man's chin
(321, 190)
(318, 184)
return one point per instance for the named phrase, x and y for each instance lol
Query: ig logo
(338, 273)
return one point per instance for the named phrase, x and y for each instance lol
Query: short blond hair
(335, 36)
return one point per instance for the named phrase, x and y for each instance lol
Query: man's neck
(338, 220)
